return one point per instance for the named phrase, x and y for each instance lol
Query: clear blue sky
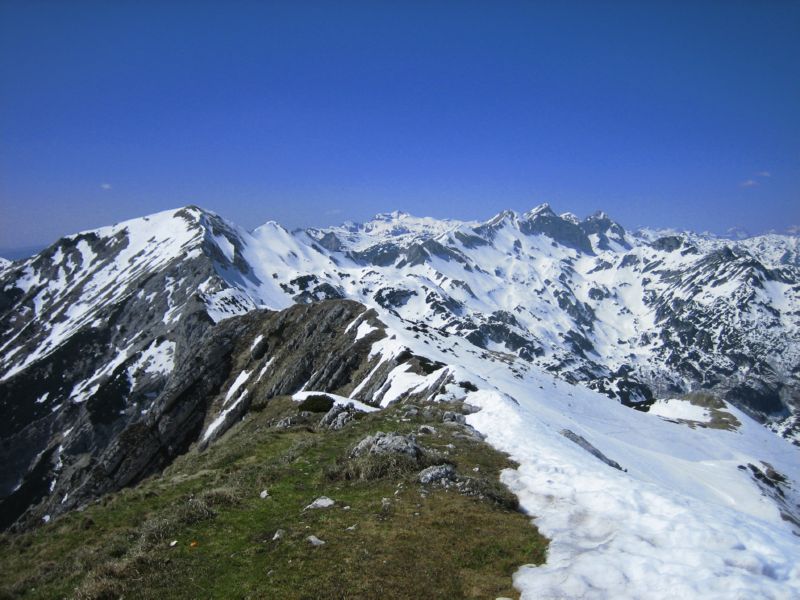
(679, 114)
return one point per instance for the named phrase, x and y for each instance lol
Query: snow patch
(364, 329)
(215, 424)
(237, 383)
(264, 369)
(225, 246)
(674, 408)
(340, 400)
(256, 341)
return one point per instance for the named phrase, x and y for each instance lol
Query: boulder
(338, 416)
(452, 417)
(321, 502)
(436, 474)
(388, 443)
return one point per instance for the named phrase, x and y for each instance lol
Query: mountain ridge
(313, 261)
(546, 321)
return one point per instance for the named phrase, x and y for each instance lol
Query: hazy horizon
(659, 114)
(16, 253)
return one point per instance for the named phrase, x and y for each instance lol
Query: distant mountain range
(117, 345)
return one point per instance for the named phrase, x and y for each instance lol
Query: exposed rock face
(544, 221)
(607, 232)
(305, 344)
(114, 439)
(775, 486)
(90, 330)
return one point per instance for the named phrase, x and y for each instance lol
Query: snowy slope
(634, 315)
(686, 519)
(63, 288)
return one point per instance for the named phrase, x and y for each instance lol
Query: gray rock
(286, 422)
(583, 443)
(469, 433)
(338, 416)
(341, 420)
(321, 502)
(387, 443)
(315, 541)
(386, 508)
(410, 410)
(427, 430)
(452, 417)
(436, 474)
(301, 418)
(428, 413)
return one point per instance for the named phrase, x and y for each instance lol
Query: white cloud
(754, 180)
(105, 186)
(793, 230)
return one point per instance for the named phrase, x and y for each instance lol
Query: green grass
(421, 543)
(718, 417)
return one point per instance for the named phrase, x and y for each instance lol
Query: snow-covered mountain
(116, 350)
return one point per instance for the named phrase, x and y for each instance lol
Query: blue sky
(673, 114)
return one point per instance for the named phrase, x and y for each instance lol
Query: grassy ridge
(395, 539)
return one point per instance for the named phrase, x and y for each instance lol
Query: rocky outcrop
(338, 416)
(437, 473)
(388, 443)
(544, 221)
(583, 443)
(97, 452)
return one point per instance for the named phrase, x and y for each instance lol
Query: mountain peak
(395, 215)
(606, 230)
(571, 218)
(540, 211)
(496, 221)
(598, 215)
(504, 214)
